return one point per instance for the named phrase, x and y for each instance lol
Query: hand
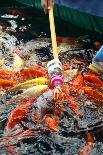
(47, 4)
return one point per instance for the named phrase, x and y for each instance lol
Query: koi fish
(88, 148)
(70, 100)
(19, 113)
(77, 83)
(5, 74)
(93, 93)
(18, 63)
(7, 83)
(72, 104)
(34, 91)
(93, 79)
(52, 123)
(30, 73)
(30, 83)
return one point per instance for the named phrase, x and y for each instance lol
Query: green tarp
(71, 22)
(85, 22)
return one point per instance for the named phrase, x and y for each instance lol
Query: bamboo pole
(53, 33)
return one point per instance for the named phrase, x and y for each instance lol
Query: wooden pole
(53, 34)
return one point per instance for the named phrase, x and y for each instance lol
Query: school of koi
(36, 110)
(34, 82)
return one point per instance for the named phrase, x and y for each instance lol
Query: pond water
(21, 30)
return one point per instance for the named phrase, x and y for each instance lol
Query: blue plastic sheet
(94, 7)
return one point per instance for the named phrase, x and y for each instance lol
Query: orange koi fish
(71, 102)
(88, 148)
(32, 72)
(77, 83)
(52, 123)
(93, 93)
(19, 113)
(7, 83)
(5, 74)
(93, 79)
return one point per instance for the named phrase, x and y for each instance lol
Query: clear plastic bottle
(56, 78)
(97, 62)
(55, 72)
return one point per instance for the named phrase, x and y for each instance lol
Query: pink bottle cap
(57, 78)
